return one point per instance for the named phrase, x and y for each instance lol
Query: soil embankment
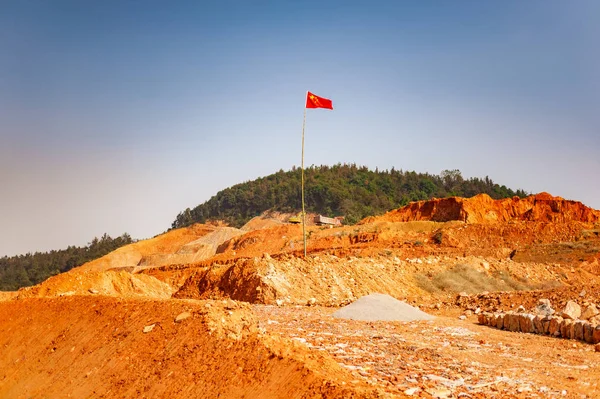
(96, 347)
(184, 245)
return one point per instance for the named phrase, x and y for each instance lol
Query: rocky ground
(444, 358)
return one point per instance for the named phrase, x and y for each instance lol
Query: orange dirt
(81, 333)
(108, 283)
(83, 347)
(541, 207)
(187, 244)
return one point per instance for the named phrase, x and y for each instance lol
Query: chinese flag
(313, 101)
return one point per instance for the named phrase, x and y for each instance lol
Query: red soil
(482, 208)
(85, 347)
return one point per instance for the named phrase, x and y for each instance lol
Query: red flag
(313, 101)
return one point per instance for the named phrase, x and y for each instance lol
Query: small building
(325, 221)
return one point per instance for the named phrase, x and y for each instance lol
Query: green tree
(339, 190)
(29, 269)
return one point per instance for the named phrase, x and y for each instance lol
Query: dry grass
(465, 278)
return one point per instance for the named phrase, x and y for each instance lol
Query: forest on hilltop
(340, 190)
(30, 269)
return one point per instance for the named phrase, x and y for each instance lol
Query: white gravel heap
(381, 307)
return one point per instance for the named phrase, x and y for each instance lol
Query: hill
(340, 190)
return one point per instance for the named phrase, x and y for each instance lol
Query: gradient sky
(117, 115)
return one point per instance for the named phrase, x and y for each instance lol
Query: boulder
(544, 308)
(571, 311)
(589, 312)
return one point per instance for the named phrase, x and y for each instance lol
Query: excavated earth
(212, 311)
(106, 347)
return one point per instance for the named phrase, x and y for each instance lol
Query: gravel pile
(381, 307)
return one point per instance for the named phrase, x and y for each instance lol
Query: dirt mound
(272, 218)
(195, 251)
(380, 307)
(279, 238)
(104, 347)
(483, 209)
(109, 283)
(185, 245)
(267, 220)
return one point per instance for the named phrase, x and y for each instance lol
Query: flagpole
(303, 212)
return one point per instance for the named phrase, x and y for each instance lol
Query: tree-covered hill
(30, 269)
(341, 190)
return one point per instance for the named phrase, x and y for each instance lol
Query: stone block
(506, 321)
(482, 319)
(537, 324)
(526, 323)
(596, 335)
(546, 325)
(565, 328)
(578, 332)
(513, 322)
(588, 332)
(554, 327)
(500, 321)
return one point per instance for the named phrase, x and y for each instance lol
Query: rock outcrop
(482, 208)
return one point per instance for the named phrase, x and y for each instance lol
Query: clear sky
(117, 115)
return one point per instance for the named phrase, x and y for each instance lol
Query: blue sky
(117, 115)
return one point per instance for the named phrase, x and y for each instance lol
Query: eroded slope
(97, 347)
(482, 208)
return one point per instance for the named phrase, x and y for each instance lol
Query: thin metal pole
(303, 212)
